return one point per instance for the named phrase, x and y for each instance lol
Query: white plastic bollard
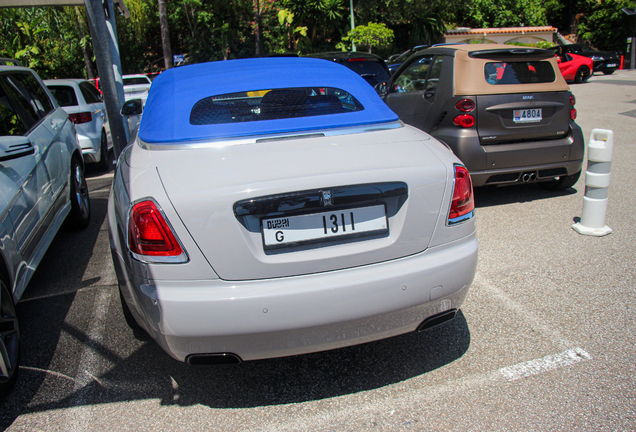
(597, 180)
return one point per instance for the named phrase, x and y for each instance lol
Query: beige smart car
(505, 111)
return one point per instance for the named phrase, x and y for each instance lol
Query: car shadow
(151, 374)
(44, 306)
(488, 196)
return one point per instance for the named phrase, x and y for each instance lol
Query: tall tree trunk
(87, 58)
(165, 35)
(257, 29)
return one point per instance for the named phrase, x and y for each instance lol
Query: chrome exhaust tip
(438, 319)
(528, 177)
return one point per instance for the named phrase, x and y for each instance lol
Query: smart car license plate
(527, 115)
(324, 225)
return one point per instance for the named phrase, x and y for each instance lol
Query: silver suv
(42, 187)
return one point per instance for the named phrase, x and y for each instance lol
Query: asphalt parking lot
(545, 340)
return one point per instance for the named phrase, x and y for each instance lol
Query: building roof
(501, 30)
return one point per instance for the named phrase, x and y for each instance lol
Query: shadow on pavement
(488, 196)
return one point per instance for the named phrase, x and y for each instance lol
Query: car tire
(582, 75)
(561, 183)
(9, 340)
(608, 72)
(138, 331)
(103, 163)
(80, 215)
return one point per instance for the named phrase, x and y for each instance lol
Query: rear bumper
(507, 163)
(606, 65)
(297, 315)
(90, 146)
(525, 174)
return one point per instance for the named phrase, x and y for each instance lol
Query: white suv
(42, 185)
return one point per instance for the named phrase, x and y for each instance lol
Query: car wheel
(9, 340)
(103, 163)
(561, 183)
(80, 214)
(138, 331)
(582, 75)
(608, 72)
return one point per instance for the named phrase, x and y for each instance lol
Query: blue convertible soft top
(167, 114)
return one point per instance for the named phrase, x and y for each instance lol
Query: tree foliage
(370, 35)
(49, 39)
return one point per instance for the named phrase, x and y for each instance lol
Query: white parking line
(547, 363)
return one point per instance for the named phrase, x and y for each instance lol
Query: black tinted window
(65, 95)
(272, 105)
(372, 72)
(10, 123)
(90, 93)
(28, 99)
(532, 72)
(135, 81)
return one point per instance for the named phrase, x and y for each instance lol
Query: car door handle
(57, 123)
(429, 93)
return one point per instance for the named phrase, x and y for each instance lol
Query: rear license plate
(313, 227)
(611, 65)
(527, 115)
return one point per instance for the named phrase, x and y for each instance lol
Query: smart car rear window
(532, 72)
(274, 104)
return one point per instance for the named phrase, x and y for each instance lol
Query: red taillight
(356, 59)
(79, 118)
(464, 120)
(572, 100)
(465, 105)
(149, 234)
(463, 200)
(573, 113)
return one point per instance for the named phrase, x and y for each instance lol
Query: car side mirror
(381, 88)
(132, 107)
(14, 147)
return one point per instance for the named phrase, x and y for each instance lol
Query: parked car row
(42, 187)
(604, 61)
(286, 205)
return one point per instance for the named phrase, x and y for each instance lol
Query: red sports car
(575, 68)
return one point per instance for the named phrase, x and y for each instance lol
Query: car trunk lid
(227, 194)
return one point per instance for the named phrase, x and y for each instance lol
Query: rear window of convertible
(532, 72)
(272, 104)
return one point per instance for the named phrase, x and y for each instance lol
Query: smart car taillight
(463, 202)
(573, 110)
(79, 118)
(464, 120)
(149, 234)
(465, 105)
